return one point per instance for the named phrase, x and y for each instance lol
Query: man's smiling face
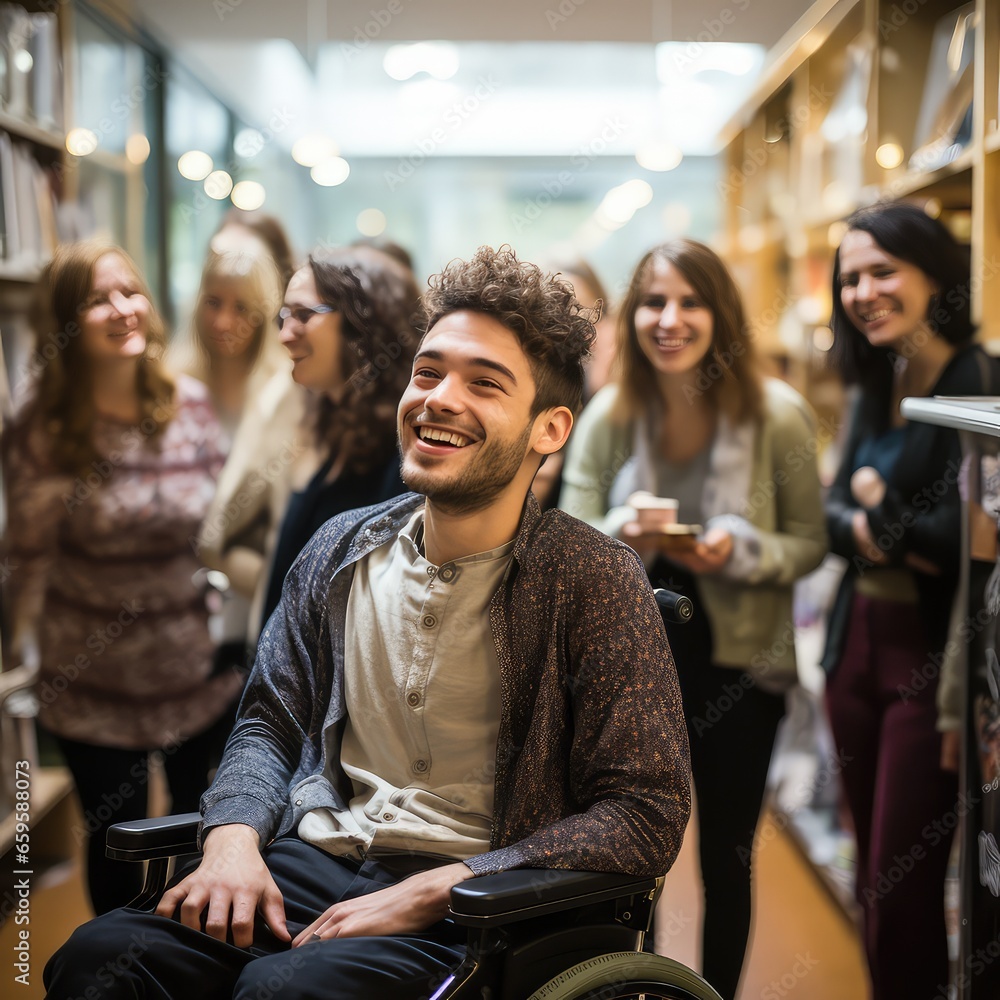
(465, 420)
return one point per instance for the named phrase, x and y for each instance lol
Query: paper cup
(653, 512)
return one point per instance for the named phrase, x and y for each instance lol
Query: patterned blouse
(126, 654)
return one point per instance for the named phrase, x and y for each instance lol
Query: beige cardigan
(240, 530)
(775, 505)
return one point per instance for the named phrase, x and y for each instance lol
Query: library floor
(802, 947)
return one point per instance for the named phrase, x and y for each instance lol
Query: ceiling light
(218, 185)
(438, 59)
(248, 195)
(195, 165)
(314, 148)
(81, 141)
(137, 148)
(248, 143)
(889, 155)
(371, 222)
(331, 172)
(658, 156)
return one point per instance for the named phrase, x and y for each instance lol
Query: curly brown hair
(540, 309)
(63, 400)
(379, 303)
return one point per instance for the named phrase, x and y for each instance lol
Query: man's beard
(478, 485)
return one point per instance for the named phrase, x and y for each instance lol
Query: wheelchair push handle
(673, 606)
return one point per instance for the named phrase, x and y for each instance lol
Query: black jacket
(920, 512)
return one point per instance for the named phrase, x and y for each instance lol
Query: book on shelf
(28, 208)
(31, 72)
(944, 125)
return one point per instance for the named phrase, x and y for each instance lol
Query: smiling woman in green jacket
(691, 418)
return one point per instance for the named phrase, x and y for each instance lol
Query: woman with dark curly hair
(349, 324)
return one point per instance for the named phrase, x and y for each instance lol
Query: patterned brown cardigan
(592, 762)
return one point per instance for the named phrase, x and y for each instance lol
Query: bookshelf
(851, 83)
(803, 152)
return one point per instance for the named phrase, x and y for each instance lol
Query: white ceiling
(318, 65)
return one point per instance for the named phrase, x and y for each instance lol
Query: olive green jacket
(771, 504)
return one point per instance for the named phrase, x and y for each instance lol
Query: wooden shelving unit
(800, 155)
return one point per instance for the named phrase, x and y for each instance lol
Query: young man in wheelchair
(454, 684)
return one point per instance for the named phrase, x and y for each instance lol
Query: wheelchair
(532, 934)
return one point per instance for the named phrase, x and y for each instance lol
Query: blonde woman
(232, 345)
(111, 465)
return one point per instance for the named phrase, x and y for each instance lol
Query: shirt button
(387, 817)
(447, 573)
(429, 621)
(431, 570)
(413, 699)
(298, 802)
(420, 766)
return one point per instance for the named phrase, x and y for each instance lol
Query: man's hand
(407, 907)
(233, 883)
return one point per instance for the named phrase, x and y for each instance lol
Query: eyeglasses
(302, 314)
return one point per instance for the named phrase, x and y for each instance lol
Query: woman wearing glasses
(348, 325)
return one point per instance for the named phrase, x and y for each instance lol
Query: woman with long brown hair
(691, 418)
(348, 325)
(110, 466)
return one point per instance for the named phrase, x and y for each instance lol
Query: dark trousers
(129, 953)
(113, 786)
(731, 726)
(903, 805)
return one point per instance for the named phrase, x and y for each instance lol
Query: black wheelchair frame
(533, 934)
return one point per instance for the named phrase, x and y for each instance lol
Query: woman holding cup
(691, 419)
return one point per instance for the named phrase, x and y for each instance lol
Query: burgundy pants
(904, 806)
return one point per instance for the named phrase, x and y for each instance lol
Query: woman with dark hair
(902, 327)
(691, 418)
(348, 323)
(110, 467)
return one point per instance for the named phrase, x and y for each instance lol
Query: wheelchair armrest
(146, 839)
(533, 892)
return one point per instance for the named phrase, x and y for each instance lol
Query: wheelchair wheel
(627, 975)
